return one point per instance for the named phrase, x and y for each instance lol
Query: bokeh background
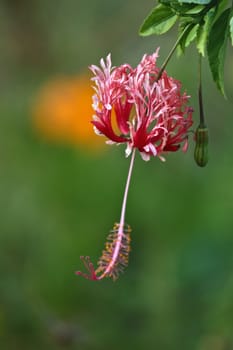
(61, 189)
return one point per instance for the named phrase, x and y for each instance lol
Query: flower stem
(202, 120)
(123, 208)
(171, 53)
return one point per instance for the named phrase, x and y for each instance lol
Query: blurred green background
(58, 201)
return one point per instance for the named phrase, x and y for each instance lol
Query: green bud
(201, 148)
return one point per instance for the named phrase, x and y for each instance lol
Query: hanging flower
(142, 107)
(133, 107)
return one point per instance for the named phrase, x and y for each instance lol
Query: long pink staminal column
(111, 263)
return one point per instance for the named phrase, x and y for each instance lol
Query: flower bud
(201, 148)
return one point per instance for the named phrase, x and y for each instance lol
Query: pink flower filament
(114, 257)
(132, 107)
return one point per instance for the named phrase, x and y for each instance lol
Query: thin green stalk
(171, 53)
(201, 109)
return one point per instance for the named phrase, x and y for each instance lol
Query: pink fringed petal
(150, 115)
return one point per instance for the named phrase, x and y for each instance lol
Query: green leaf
(187, 37)
(200, 2)
(216, 48)
(231, 30)
(191, 35)
(195, 10)
(179, 8)
(159, 21)
(203, 31)
(182, 9)
(166, 2)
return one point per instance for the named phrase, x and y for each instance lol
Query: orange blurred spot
(63, 112)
